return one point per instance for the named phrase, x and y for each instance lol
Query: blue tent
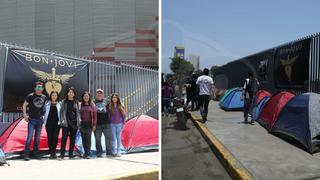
(257, 109)
(225, 95)
(233, 101)
(299, 121)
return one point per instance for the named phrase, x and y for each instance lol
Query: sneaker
(99, 155)
(86, 157)
(118, 155)
(252, 122)
(26, 157)
(37, 156)
(71, 157)
(204, 119)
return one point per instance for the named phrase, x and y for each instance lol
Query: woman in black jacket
(69, 121)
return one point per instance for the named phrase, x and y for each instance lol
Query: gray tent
(300, 120)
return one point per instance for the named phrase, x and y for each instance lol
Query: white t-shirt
(205, 85)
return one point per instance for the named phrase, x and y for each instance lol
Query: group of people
(72, 115)
(200, 90)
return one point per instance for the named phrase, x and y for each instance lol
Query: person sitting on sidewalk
(205, 83)
(250, 87)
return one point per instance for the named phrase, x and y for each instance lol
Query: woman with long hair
(69, 121)
(117, 119)
(88, 114)
(51, 120)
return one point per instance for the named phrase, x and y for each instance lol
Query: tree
(182, 69)
(213, 69)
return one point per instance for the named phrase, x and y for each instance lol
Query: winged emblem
(288, 63)
(53, 82)
(44, 76)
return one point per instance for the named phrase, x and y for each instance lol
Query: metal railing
(137, 86)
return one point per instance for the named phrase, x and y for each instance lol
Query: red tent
(271, 110)
(140, 134)
(13, 139)
(261, 94)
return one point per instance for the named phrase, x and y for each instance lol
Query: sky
(220, 31)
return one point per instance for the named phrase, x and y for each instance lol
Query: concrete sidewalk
(264, 155)
(96, 168)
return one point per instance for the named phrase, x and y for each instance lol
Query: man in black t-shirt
(103, 124)
(33, 114)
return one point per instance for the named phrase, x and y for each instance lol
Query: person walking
(88, 113)
(167, 94)
(69, 121)
(34, 117)
(205, 84)
(103, 124)
(250, 87)
(192, 92)
(117, 118)
(51, 121)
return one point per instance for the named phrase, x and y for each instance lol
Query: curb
(232, 165)
(143, 175)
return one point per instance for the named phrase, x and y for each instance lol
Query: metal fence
(136, 85)
(314, 64)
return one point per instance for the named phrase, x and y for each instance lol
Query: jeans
(166, 104)
(71, 132)
(33, 125)
(116, 137)
(107, 132)
(204, 103)
(247, 108)
(192, 99)
(52, 133)
(86, 139)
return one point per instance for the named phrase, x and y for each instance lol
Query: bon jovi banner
(292, 65)
(25, 67)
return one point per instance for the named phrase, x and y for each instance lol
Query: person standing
(103, 124)
(192, 92)
(88, 114)
(117, 118)
(250, 87)
(51, 121)
(205, 84)
(167, 93)
(34, 117)
(69, 121)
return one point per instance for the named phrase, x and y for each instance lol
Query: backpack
(3, 158)
(251, 86)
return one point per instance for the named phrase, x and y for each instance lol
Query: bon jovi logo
(53, 82)
(288, 63)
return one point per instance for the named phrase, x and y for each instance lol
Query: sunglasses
(39, 88)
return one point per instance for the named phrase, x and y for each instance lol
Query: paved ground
(185, 154)
(98, 168)
(264, 155)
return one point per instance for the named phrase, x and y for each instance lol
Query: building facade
(105, 30)
(195, 61)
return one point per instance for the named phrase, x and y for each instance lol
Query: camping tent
(261, 94)
(300, 120)
(271, 110)
(140, 134)
(256, 110)
(13, 139)
(226, 94)
(261, 99)
(232, 101)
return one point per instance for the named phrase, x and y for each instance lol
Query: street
(186, 155)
